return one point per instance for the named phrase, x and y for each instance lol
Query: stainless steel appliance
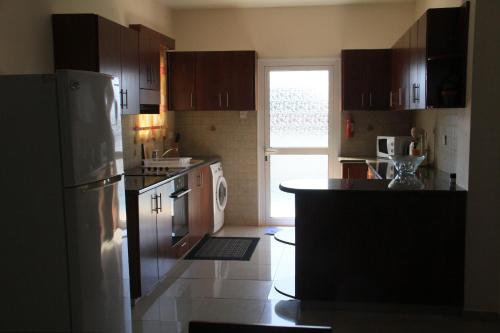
(180, 222)
(65, 255)
(392, 145)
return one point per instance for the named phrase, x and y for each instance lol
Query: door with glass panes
(298, 107)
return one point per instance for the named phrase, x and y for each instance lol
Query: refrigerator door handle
(101, 183)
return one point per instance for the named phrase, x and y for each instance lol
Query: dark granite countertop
(140, 184)
(430, 179)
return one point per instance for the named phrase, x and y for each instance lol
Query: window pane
(288, 167)
(298, 108)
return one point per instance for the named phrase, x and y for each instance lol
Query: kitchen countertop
(432, 180)
(140, 184)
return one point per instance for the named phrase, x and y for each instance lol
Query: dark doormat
(223, 248)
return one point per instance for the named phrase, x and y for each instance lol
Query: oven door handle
(180, 194)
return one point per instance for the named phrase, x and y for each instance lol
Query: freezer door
(97, 257)
(90, 122)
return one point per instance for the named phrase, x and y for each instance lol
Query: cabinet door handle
(199, 180)
(154, 204)
(416, 93)
(126, 99)
(159, 208)
(390, 99)
(220, 100)
(121, 98)
(362, 99)
(191, 100)
(227, 99)
(400, 96)
(370, 99)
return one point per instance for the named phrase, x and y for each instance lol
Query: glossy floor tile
(243, 292)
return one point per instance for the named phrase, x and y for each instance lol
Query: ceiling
(203, 4)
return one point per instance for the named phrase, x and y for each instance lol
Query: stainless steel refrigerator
(64, 249)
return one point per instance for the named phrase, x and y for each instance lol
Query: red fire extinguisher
(349, 128)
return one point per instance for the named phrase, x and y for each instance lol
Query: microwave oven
(392, 145)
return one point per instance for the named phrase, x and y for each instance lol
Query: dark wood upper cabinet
(426, 67)
(210, 81)
(181, 91)
(354, 80)
(437, 54)
(399, 98)
(366, 79)
(109, 47)
(152, 47)
(149, 61)
(220, 80)
(92, 43)
(130, 71)
(446, 57)
(240, 80)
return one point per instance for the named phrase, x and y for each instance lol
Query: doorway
(297, 132)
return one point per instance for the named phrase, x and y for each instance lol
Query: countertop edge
(206, 161)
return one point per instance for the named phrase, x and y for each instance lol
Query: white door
(298, 113)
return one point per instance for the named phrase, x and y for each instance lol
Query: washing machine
(219, 196)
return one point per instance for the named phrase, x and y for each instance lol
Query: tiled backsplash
(443, 132)
(369, 124)
(152, 139)
(234, 139)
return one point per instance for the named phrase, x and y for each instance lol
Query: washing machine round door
(221, 193)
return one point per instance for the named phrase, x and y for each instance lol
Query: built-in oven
(180, 218)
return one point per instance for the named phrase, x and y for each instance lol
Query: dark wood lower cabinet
(200, 203)
(147, 244)
(166, 259)
(354, 170)
(392, 247)
(149, 229)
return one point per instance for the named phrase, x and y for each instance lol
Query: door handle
(227, 99)
(121, 98)
(370, 99)
(126, 99)
(269, 151)
(362, 99)
(390, 99)
(191, 100)
(220, 100)
(400, 96)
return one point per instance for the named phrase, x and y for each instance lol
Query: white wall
(293, 32)
(483, 206)
(26, 32)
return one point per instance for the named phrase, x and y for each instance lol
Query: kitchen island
(357, 241)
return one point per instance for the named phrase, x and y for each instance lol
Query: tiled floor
(242, 292)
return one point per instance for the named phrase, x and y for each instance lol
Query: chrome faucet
(168, 151)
